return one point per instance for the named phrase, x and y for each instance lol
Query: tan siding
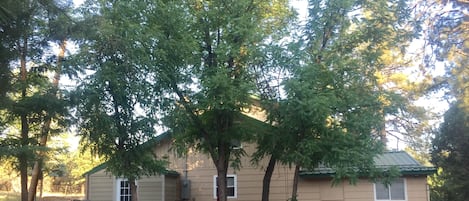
(417, 188)
(361, 191)
(322, 190)
(172, 188)
(250, 184)
(329, 192)
(101, 186)
(150, 188)
(201, 171)
(249, 178)
(308, 190)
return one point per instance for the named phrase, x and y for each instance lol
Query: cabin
(194, 178)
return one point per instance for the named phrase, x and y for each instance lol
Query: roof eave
(423, 172)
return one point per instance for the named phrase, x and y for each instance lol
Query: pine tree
(450, 152)
(26, 99)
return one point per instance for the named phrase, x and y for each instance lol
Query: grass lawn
(12, 196)
(9, 196)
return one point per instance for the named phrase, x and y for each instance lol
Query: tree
(203, 55)
(450, 152)
(333, 96)
(447, 34)
(115, 119)
(25, 95)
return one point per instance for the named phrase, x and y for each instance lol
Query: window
(123, 190)
(236, 144)
(394, 191)
(231, 186)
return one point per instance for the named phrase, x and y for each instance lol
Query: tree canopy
(333, 95)
(450, 153)
(31, 106)
(331, 87)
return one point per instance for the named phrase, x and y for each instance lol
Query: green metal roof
(399, 159)
(104, 165)
(150, 142)
(252, 125)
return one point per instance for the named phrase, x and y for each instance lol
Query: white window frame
(235, 183)
(405, 192)
(118, 188)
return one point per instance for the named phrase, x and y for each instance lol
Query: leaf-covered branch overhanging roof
(251, 124)
(391, 159)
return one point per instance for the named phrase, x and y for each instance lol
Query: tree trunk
(222, 184)
(41, 191)
(23, 157)
(382, 130)
(267, 177)
(221, 163)
(133, 190)
(24, 177)
(36, 172)
(294, 192)
(37, 169)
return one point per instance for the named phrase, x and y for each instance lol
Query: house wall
(200, 170)
(100, 186)
(150, 188)
(322, 190)
(417, 188)
(363, 190)
(172, 188)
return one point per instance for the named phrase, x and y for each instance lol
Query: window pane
(397, 190)
(124, 190)
(230, 192)
(382, 193)
(230, 181)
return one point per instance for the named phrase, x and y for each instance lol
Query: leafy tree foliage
(447, 38)
(29, 99)
(450, 152)
(210, 77)
(447, 35)
(115, 120)
(334, 100)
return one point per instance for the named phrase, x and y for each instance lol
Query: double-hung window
(395, 191)
(123, 190)
(231, 186)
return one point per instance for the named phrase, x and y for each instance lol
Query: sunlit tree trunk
(23, 157)
(37, 169)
